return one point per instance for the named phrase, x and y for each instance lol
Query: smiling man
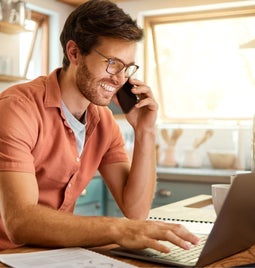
(57, 131)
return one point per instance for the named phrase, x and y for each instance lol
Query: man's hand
(146, 234)
(144, 114)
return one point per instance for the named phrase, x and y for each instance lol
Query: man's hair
(94, 19)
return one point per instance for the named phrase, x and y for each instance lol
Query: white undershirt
(77, 127)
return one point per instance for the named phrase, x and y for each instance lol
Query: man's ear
(72, 51)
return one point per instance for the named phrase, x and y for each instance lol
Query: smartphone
(126, 98)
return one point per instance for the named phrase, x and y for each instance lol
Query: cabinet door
(91, 200)
(167, 192)
(172, 191)
(89, 209)
(112, 208)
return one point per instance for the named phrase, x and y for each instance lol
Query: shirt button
(84, 192)
(78, 159)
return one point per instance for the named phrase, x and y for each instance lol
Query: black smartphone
(126, 98)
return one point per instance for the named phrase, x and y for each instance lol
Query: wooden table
(198, 207)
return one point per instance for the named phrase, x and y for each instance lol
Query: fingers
(141, 87)
(181, 237)
(145, 95)
(176, 234)
(150, 234)
(157, 245)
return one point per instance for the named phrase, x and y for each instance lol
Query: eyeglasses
(115, 66)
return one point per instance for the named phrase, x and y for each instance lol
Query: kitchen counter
(173, 184)
(177, 183)
(208, 175)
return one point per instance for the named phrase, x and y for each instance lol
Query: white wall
(134, 7)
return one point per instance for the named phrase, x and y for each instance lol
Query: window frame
(185, 16)
(42, 21)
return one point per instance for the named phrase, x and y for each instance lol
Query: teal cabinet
(112, 208)
(173, 191)
(167, 192)
(97, 200)
(91, 201)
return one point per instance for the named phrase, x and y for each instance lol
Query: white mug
(219, 193)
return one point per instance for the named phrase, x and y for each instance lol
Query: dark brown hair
(94, 19)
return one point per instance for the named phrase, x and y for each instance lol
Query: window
(34, 47)
(24, 50)
(203, 64)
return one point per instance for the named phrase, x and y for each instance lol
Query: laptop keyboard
(178, 254)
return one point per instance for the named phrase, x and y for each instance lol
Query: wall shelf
(11, 78)
(11, 28)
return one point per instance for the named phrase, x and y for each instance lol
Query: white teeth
(107, 87)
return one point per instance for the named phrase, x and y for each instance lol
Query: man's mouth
(108, 87)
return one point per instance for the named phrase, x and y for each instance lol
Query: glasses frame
(125, 66)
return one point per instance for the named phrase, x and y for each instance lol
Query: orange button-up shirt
(35, 137)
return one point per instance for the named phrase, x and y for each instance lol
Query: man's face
(92, 79)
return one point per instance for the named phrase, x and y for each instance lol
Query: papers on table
(62, 258)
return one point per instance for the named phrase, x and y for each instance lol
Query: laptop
(232, 232)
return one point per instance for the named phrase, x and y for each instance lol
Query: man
(56, 131)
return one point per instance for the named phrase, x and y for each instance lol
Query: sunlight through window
(201, 69)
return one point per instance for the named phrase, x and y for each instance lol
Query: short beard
(86, 83)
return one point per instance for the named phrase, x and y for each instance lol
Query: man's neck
(71, 96)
